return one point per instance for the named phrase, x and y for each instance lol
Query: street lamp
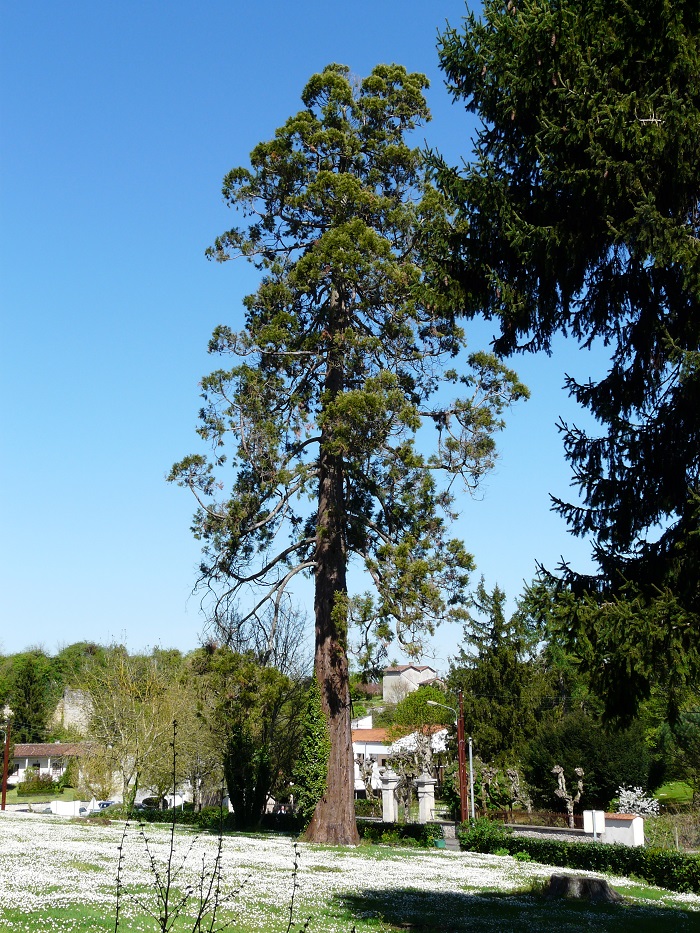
(459, 721)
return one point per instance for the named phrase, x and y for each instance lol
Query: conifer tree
(583, 214)
(339, 373)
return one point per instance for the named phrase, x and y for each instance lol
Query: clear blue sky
(118, 123)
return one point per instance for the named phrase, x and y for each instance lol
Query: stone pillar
(390, 781)
(425, 786)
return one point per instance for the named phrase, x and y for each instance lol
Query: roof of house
(48, 749)
(369, 735)
(399, 668)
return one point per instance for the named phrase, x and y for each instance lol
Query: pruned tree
(518, 792)
(98, 776)
(410, 759)
(583, 215)
(340, 371)
(570, 800)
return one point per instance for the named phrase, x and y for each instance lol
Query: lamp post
(461, 758)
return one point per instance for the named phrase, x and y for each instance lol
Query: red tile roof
(369, 735)
(49, 749)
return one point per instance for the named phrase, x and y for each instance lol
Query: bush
(208, 819)
(634, 800)
(38, 785)
(282, 822)
(368, 807)
(660, 867)
(483, 835)
(400, 834)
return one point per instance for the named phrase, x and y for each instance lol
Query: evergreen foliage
(32, 691)
(494, 671)
(340, 367)
(608, 757)
(681, 746)
(311, 769)
(583, 218)
(254, 715)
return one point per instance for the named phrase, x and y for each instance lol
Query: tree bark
(333, 822)
(597, 890)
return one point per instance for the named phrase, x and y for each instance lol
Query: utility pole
(462, 762)
(461, 758)
(5, 764)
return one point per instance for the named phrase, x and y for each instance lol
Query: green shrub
(69, 778)
(208, 819)
(483, 835)
(400, 834)
(37, 785)
(368, 807)
(660, 867)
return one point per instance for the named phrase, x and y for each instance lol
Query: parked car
(103, 804)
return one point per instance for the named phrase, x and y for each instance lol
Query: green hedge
(208, 818)
(400, 834)
(671, 870)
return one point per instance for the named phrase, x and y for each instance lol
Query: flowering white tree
(634, 800)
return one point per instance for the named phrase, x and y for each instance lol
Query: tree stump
(581, 886)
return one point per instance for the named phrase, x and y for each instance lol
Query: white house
(403, 679)
(373, 745)
(45, 758)
(369, 745)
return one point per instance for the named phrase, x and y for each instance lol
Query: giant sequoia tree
(338, 370)
(583, 211)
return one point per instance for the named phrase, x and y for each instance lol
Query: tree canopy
(496, 674)
(254, 714)
(339, 373)
(582, 212)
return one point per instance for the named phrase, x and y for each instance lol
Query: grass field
(59, 875)
(36, 800)
(675, 793)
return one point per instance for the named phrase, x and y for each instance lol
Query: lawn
(59, 875)
(675, 793)
(35, 800)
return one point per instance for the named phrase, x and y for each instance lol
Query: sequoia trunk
(333, 821)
